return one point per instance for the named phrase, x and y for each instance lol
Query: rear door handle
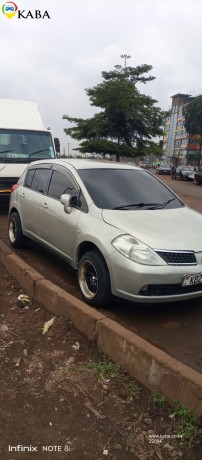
(44, 205)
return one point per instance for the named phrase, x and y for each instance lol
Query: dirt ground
(61, 398)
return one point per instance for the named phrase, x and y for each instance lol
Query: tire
(93, 279)
(16, 237)
(198, 180)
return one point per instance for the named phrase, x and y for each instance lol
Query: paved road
(175, 328)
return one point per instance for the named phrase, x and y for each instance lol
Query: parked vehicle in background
(198, 177)
(120, 227)
(185, 173)
(163, 168)
(23, 139)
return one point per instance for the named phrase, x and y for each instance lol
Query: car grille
(169, 289)
(178, 257)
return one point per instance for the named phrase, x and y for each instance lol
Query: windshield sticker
(16, 155)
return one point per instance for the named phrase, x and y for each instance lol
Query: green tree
(128, 121)
(193, 121)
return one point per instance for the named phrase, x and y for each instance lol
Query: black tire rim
(12, 231)
(88, 279)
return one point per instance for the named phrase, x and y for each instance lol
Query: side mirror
(57, 144)
(66, 201)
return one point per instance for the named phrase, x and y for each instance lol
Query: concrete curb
(152, 367)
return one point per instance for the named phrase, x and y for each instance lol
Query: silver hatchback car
(121, 228)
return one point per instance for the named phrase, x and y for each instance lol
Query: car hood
(12, 169)
(172, 229)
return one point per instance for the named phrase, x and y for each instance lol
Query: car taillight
(14, 187)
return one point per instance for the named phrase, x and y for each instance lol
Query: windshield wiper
(162, 205)
(136, 205)
(38, 151)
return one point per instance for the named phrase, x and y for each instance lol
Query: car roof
(86, 164)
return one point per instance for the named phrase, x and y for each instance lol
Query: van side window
(61, 183)
(40, 180)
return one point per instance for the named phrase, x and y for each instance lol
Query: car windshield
(127, 189)
(23, 146)
(164, 165)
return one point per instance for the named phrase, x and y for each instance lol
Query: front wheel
(93, 279)
(198, 180)
(15, 234)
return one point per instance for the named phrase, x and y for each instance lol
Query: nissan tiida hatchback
(126, 233)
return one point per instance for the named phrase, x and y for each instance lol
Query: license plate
(191, 280)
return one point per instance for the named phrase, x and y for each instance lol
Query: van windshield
(24, 146)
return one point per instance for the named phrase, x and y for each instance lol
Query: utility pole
(125, 57)
(68, 145)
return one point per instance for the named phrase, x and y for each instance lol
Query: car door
(59, 229)
(30, 197)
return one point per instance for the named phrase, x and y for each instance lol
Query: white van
(23, 139)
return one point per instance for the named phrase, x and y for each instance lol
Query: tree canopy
(128, 121)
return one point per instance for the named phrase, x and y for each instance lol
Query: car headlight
(137, 251)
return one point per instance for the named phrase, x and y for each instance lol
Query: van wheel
(16, 237)
(93, 279)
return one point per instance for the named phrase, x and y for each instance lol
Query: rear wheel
(93, 279)
(16, 237)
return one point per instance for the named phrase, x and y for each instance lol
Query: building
(179, 147)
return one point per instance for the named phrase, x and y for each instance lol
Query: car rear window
(37, 179)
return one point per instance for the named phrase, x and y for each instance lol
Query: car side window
(61, 183)
(29, 178)
(39, 180)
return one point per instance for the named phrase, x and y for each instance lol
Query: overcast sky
(52, 61)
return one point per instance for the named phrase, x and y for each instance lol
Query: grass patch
(188, 425)
(158, 398)
(134, 390)
(106, 368)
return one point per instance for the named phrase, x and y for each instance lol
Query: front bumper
(151, 284)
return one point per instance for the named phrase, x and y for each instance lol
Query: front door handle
(44, 205)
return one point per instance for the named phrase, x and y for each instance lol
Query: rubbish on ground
(4, 328)
(70, 361)
(105, 380)
(105, 452)
(47, 325)
(17, 361)
(92, 409)
(76, 347)
(23, 301)
(25, 352)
